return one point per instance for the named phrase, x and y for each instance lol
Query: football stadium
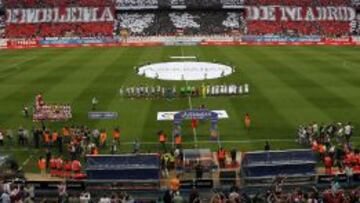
(179, 101)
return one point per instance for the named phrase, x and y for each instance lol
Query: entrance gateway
(197, 114)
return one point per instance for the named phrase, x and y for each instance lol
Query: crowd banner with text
(26, 19)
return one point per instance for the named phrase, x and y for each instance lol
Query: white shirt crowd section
(136, 23)
(355, 25)
(2, 26)
(234, 20)
(184, 20)
(154, 23)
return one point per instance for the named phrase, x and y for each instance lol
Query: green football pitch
(289, 86)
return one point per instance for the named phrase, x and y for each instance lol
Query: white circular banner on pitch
(185, 71)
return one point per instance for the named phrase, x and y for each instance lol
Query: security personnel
(221, 154)
(175, 183)
(103, 137)
(42, 165)
(116, 135)
(247, 121)
(162, 139)
(178, 140)
(47, 138)
(54, 137)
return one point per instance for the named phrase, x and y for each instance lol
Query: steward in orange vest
(221, 154)
(162, 140)
(116, 135)
(54, 137)
(42, 165)
(175, 184)
(46, 138)
(103, 137)
(247, 121)
(178, 140)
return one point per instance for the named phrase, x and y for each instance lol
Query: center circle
(190, 71)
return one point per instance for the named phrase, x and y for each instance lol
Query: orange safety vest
(103, 137)
(54, 136)
(178, 140)
(175, 184)
(116, 134)
(42, 164)
(46, 137)
(65, 131)
(221, 154)
(162, 138)
(247, 121)
(76, 165)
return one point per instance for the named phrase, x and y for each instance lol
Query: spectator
(194, 196)
(199, 170)
(221, 155)
(85, 197)
(175, 183)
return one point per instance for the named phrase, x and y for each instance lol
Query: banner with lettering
(50, 18)
(305, 17)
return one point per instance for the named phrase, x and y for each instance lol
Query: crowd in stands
(333, 144)
(188, 23)
(2, 26)
(323, 28)
(220, 22)
(59, 30)
(26, 193)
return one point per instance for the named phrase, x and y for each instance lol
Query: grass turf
(289, 86)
